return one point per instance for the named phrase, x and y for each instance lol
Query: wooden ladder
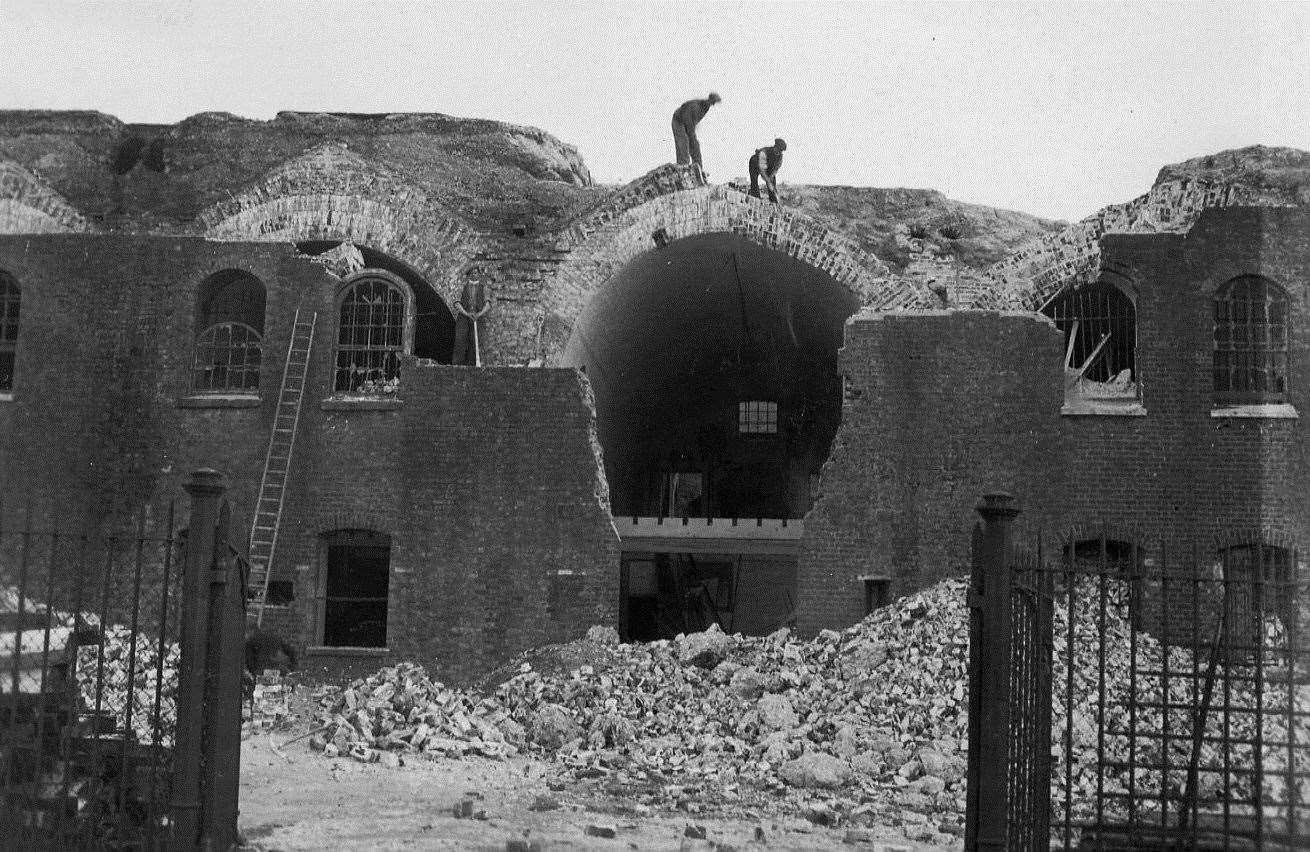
(277, 463)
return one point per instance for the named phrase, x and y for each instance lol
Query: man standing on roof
(765, 163)
(685, 119)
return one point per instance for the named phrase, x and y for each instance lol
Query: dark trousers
(770, 182)
(685, 145)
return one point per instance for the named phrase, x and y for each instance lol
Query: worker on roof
(765, 163)
(685, 119)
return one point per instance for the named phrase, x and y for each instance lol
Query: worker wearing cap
(765, 163)
(685, 119)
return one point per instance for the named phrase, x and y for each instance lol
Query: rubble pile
(131, 671)
(870, 720)
(1135, 663)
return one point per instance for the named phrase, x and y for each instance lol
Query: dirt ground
(299, 800)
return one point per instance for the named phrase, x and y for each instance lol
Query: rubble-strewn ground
(852, 736)
(303, 802)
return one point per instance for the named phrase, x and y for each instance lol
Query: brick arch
(29, 206)
(1040, 268)
(666, 207)
(320, 196)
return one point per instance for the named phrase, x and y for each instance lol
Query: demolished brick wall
(941, 407)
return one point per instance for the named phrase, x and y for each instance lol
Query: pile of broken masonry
(866, 725)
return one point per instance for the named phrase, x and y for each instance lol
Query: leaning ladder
(277, 463)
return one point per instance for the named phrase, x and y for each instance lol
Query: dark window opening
(757, 418)
(355, 589)
(10, 296)
(1250, 342)
(877, 594)
(682, 495)
(370, 337)
(1259, 582)
(229, 330)
(280, 592)
(1099, 323)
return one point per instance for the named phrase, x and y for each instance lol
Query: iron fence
(120, 660)
(88, 672)
(1153, 697)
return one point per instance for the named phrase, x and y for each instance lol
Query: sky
(1053, 108)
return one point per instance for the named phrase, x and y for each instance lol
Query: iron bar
(152, 816)
(15, 701)
(1132, 706)
(1070, 585)
(1165, 640)
(1259, 616)
(125, 768)
(1291, 630)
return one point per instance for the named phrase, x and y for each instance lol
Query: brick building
(529, 404)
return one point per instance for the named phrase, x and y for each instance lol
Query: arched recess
(713, 362)
(317, 197)
(29, 206)
(601, 245)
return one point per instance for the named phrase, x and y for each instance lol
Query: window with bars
(229, 333)
(757, 417)
(10, 296)
(1250, 342)
(1099, 323)
(370, 337)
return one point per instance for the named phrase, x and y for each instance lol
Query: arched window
(1099, 322)
(1250, 341)
(371, 334)
(355, 585)
(10, 296)
(229, 333)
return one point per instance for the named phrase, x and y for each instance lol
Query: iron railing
(1153, 698)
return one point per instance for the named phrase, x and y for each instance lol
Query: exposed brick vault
(29, 206)
(1038, 271)
(331, 193)
(673, 202)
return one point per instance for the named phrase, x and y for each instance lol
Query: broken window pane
(1099, 322)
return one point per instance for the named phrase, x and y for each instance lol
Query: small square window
(757, 418)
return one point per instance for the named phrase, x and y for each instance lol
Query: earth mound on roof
(900, 225)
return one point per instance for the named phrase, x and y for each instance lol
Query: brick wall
(1178, 473)
(488, 480)
(941, 407)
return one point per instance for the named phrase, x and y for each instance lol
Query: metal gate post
(989, 676)
(224, 660)
(205, 488)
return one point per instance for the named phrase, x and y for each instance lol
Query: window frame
(246, 366)
(1263, 355)
(11, 294)
(208, 322)
(350, 537)
(761, 413)
(405, 347)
